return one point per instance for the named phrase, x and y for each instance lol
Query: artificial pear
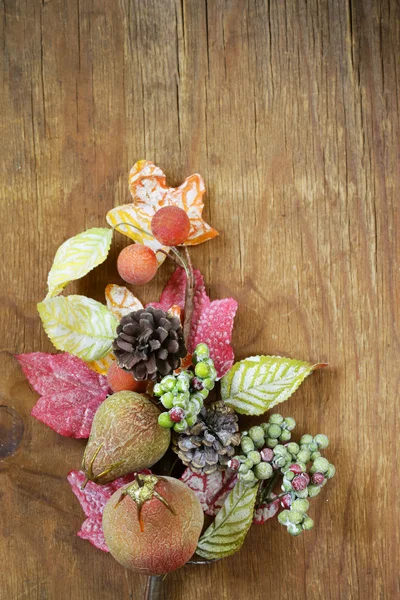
(125, 437)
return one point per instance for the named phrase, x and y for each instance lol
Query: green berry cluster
(259, 459)
(183, 395)
(278, 430)
(296, 519)
(303, 477)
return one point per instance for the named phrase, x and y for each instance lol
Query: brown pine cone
(210, 443)
(149, 344)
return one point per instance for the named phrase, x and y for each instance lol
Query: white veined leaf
(226, 534)
(121, 301)
(79, 325)
(258, 383)
(77, 256)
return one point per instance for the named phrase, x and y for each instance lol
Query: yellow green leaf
(77, 256)
(258, 383)
(227, 533)
(79, 325)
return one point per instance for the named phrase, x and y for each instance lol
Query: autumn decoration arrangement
(157, 392)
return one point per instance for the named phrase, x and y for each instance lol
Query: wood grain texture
(290, 111)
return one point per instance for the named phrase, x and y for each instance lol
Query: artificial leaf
(150, 193)
(258, 383)
(79, 325)
(214, 328)
(264, 512)
(70, 392)
(212, 322)
(93, 499)
(121, 301)
(102, 364)
(211, 490)
(226, 534)
(77, 256)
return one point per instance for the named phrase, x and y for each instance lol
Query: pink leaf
(264, 512)
(70, 391)
(93, 499)
(215, 329)
(211, 490)
(212, 322)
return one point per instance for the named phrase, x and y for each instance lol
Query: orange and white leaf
(121, 301)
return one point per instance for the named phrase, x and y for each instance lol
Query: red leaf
(264, 512)
(211, 490)
(70, 391)
(212, 322)
(93, 499)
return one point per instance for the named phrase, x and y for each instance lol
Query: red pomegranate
(153, 524)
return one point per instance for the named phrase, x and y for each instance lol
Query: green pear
(125, 437)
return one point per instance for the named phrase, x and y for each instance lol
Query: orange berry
(120, 380)
(170, 226)
(137, 264)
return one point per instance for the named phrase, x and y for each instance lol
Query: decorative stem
(189, 294)
(268, 491)
(153, 587)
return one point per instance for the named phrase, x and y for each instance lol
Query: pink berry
(196, 384)
(318, 478)
(176, 414)
(267, 454)
(137, 264)
(300, 482)
(234, 464)
(296, 469)
(170, 226)
(286, 501)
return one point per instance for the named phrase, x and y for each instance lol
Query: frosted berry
(289, 423)
(307, 524)
(120, 380)
(306, 439)
(293, 448)
(283, 517)
(165, 420)
(321, 465)
(176, 414)
(313, 490)
(296, 468)
(274, 431)
(137, 264)
(285, 435)
(256, 433)
(318, 479)
(170, 226)
(300, 482)
(181, 426)
(167, 400)
(322, 441)
(247, 444)
(295, 516)
(234, 464)
(202, 370)
(330, 472)
(286, 501)
(266, 454)
(301, 505)
(263, 470)
(275, 418)
(202, 352)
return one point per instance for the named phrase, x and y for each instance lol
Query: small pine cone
(210, 443)
(149, 344)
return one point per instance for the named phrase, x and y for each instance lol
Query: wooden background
(290, 111)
